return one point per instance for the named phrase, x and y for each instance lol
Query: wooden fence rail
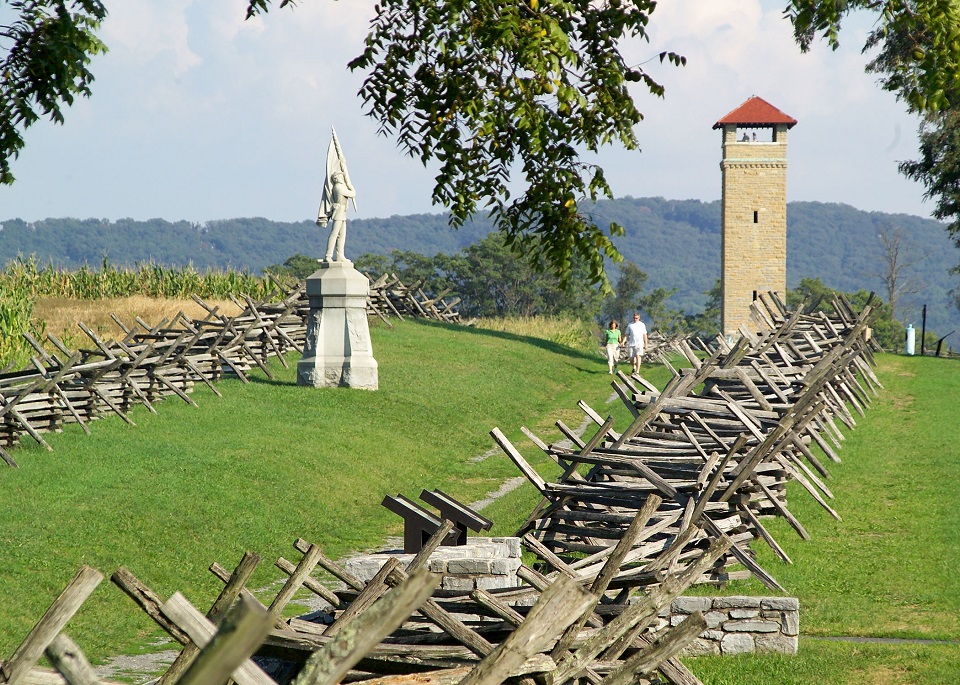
(150, 362)
(636, 518)
(716, 445)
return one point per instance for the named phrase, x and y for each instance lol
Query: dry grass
(61, 315)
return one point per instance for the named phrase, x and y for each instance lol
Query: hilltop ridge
(676, 242)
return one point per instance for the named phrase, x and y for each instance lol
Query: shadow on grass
(575, 356)
(547, 345)
(260, 378)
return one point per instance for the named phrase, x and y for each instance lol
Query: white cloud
(199, 114)
(141, 31)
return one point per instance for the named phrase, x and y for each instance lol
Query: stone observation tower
(754, 206)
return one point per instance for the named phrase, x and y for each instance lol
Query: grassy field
(267, 463)
(889, 569)
(270, 462)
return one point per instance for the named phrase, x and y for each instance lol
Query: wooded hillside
(676, 242)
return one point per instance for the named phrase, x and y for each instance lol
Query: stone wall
(735, 625)
(738, 625)
(482, 564)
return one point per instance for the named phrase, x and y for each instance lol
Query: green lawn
(889, 569)
(267, 463)
(271, 461)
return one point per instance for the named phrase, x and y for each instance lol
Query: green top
(613, 335)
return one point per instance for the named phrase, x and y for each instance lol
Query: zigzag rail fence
(636, 517)
(154, 361)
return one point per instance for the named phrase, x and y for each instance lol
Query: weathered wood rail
(150, 362)
(715, 446)
(394, 629)
(636, 517)
(389, 296)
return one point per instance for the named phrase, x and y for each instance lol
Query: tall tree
(895, 264)
(938, 168)
(902, 46)
(626, 297)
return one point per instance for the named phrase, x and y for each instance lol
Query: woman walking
(614, 340)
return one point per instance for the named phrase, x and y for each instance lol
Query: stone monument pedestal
(337, 351)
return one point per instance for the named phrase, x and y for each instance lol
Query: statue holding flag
(337, 192)
(336, 349)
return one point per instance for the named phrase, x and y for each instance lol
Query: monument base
(337, 351)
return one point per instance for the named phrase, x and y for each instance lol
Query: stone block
(677, 619)
(701, 647)
(751, 627)
(736, 602)
(459, 552)
(511, 545)
(776, 644)
(366, 567)
(744, 613)
(791, 623)
(472, 566)
(659, 624)
(715, 635)
(736, 643)
(504, 567)
(437, 565)
(715, 619)
(495, 582)
(482, 551)
(458, 583)
(687, 605)
(780, 603)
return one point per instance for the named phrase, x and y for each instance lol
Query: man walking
(636, 341)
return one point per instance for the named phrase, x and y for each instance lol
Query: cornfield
(24, 280)
(16, 316)
(153, 280)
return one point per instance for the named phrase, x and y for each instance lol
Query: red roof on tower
(756, 112)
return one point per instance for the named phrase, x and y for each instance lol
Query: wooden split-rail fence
(389, 296)
(153, 361)
(636, 518)
(714, 448)
(660, 348)
(398, 628)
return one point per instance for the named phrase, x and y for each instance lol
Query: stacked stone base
(738, 625)
(483, 564)
(735, 625)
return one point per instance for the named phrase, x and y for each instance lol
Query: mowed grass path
(890, 568)
(267, 463)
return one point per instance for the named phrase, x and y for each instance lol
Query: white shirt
(635, 333)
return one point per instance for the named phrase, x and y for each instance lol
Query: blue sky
(197, 114)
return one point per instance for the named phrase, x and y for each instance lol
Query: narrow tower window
(756, 217)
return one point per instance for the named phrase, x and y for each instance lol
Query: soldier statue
(337, 192)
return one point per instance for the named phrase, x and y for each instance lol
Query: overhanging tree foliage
(901, 46)
(918, 40)
(48, 49)
(493, 89)
(494, 92)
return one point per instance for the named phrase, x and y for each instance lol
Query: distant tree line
(676, 243)
(493, 282)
